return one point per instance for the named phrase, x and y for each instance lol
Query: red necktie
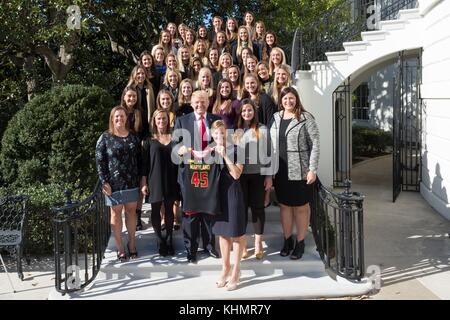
(202, 132)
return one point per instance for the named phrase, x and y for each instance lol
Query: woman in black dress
(117, 156)
(295, 141)
(231, 223)
(159, 179)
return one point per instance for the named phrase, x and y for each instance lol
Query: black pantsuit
(192, 224)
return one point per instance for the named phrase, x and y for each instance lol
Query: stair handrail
(81, 231)
(338, 229)
(330, 30)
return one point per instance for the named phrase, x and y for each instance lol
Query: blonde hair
(208, 71)
(180, 60)
(200, 94)
(169, 72)
(204, 56)
(153, 124)
(239, 41)
(181, 98)
(276, 89)
(111, 118)
(283, 59)
(218, 124)
(225, 54)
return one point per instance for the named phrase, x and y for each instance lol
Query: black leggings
(253, 188)
(168, 217)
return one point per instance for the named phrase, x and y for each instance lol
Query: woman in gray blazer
(295, 142)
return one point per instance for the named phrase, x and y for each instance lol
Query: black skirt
(293, 193)
(232, 221)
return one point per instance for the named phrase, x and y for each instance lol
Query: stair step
(253, 285)
(373, 35)
(409, 14)
(172, 278)
(391, 25)
(356, 45)
(337, 56)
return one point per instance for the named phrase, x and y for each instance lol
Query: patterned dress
(118, 162)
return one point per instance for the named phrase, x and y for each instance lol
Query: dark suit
(193, 222)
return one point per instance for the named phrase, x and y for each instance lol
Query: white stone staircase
(358, 60)
(151, 277)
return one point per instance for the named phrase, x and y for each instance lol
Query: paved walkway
(407, 239)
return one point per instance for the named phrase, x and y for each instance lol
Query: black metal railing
(338, 25)
(81, 232)
(337, 225)
(389, 9)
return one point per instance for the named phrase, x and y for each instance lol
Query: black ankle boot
(298, 250)
(138, 220)
(287, 246)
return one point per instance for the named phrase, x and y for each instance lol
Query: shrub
(369, 141)
(52, 139)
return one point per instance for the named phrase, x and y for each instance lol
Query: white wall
(435, 91)
(380, 98)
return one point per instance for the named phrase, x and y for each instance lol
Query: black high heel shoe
(287, 247)
(132, 255)
(298, 250)
(122, 257)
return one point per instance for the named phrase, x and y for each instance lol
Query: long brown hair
(240, 122)
(111, 118)
(298, 109)
(137, 113)
(220, 100)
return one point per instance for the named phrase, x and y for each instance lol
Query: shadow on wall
(436, 186)
(433, 180)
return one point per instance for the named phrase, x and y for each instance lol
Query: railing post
(347, 228)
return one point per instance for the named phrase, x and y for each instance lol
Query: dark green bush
(369, 141)
(52, 139)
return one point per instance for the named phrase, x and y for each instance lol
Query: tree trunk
(26, 62)
(30, 76)
(60, 64)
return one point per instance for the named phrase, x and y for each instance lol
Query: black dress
(291, 193)
(232, 221)
(160, 171)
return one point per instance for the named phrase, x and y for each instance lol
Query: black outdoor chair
(13, 215)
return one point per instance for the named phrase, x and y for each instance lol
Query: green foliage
(52, 139)
(39, 227)
(369, 141)
(12, 94)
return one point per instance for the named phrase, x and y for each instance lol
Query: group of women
(244, 76)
